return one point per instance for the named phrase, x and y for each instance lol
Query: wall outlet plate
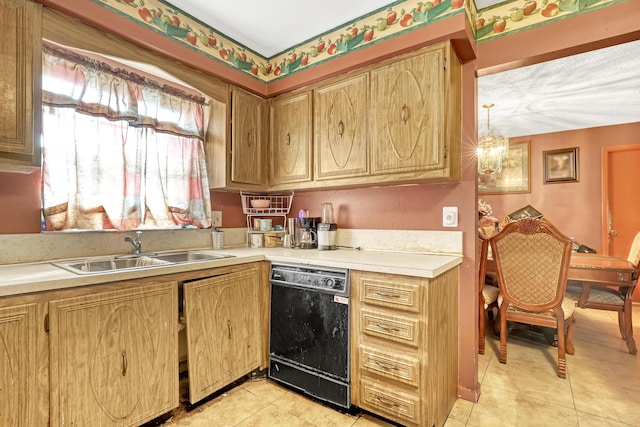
(450, 216)
(216, 218)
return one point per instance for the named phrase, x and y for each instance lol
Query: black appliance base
(310, 383)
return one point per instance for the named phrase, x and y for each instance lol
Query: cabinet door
(223, 338)
(341, 110)
(247, 159)
(18, 365)
(21, 34)
(407, 100)
(291, 134)
(114, 356)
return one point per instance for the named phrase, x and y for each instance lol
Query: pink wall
(572, 207)
(20, 201)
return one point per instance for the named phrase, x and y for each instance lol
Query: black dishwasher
(309, 332)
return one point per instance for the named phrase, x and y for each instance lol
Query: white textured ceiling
(598, 88)
(271, 27)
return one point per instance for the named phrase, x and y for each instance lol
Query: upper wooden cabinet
(341, 111)
(416, 118)
(248, 115)
(21, 35)
(291, 139)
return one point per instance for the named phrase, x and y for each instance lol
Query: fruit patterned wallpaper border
(513, 16)
(401, 16)
(381, 24)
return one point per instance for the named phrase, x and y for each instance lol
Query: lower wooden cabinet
(114, 356)
(223, 332)
(404, 348)
(18, 366)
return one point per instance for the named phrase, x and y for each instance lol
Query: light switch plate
(216, 218)
(450, 216)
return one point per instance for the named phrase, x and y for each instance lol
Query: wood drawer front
(394, 328)
(399, 295)
(394, 366)
(387, 401)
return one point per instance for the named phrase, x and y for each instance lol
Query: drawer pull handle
(386, 366)
(340, 129)
(229, 327)
(387, 402)
(288, 140)
(386, 328)
(249, 139)
(387, 294)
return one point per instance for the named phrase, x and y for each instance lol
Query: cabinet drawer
(394, 328)
(398, 295)
(390, 365)
(397, 405)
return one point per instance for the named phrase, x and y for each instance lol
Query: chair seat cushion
(568, 307)
(490, 294)
(598, 295)
(573, 292)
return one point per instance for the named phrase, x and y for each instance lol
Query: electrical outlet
(216, 218)
(450, 216)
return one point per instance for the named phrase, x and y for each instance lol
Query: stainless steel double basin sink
(97, 265)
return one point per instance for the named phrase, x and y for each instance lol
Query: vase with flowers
(487, 224)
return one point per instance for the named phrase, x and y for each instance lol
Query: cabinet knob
(404, 114)
(340, 129)
(124, 362)
(288, 139)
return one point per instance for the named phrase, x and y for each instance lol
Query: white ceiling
(271, 27)
(598, 88)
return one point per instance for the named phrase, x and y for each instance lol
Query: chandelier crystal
(492, 150)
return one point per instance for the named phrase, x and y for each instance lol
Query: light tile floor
(602, 389)
(602, 386)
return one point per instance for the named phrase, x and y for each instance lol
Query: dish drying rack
(279, 207)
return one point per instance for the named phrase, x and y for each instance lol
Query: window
(120, 151)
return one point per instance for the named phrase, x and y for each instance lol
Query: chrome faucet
(135, 244)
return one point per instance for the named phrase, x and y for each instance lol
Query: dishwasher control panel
(323, 278)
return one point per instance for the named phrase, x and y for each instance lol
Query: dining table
(596, 270)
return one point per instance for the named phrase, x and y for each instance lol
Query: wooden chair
(487, 294)
(532, 260)
(612, 298)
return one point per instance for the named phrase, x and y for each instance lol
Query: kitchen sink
(180, 257)
(98, 265)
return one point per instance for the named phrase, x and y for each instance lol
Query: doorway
(620, 201)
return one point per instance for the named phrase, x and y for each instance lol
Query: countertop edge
(18, 279)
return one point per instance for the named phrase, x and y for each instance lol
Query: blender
(327, 229)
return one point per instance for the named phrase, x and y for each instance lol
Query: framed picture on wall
(560, 165)
(514, 177)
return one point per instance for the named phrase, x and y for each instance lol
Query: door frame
(605, 189)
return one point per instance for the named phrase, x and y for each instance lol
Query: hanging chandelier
(492, 150)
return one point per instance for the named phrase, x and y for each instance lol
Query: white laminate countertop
(16, 279)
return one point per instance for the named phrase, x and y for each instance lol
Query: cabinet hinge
(46, 323)
(445, 63)
(446, 149)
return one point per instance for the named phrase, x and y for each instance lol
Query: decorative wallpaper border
(514, 16)
(508, 17)
(384, 23)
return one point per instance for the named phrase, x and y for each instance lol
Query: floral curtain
(119, 151)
